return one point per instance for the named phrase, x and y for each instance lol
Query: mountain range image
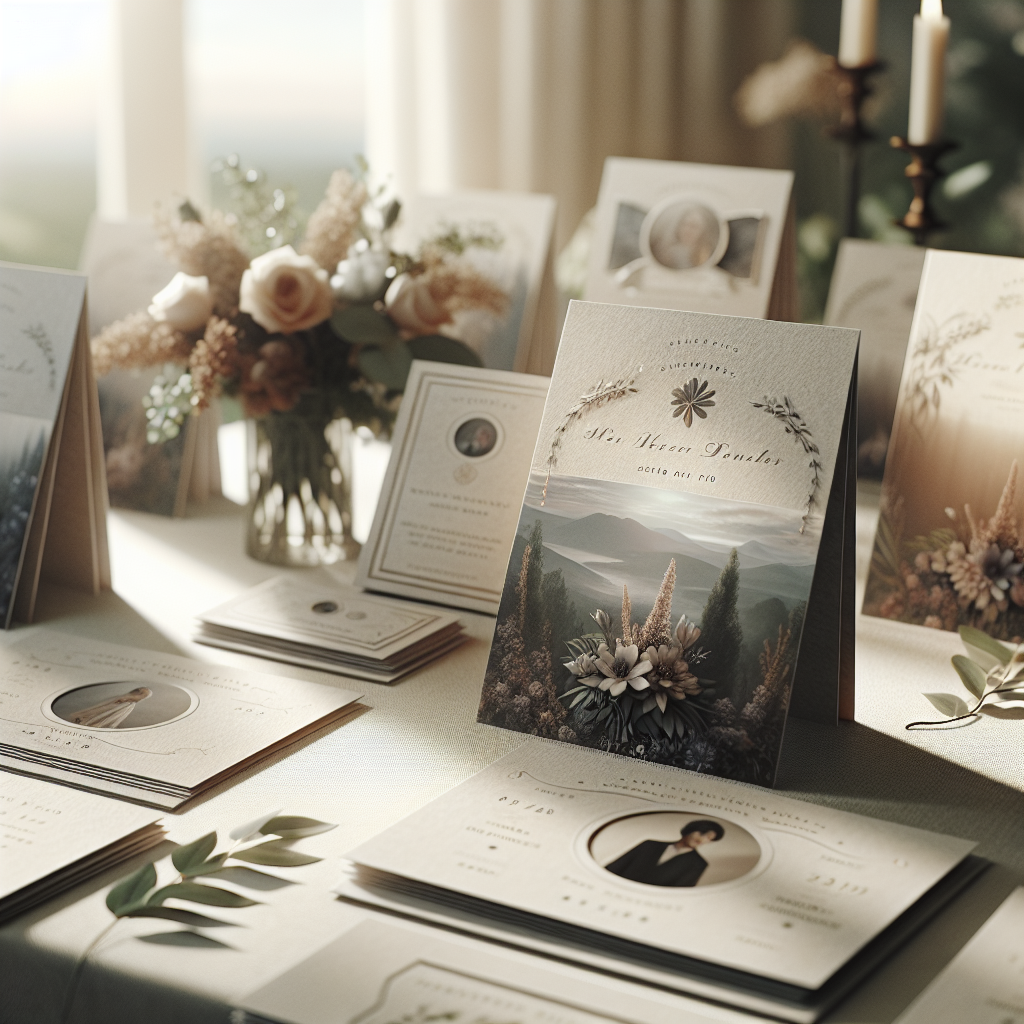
(599, 553)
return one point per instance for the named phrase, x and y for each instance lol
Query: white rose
(361, 277)
(412, 306)
(285, 292)
(185, 303)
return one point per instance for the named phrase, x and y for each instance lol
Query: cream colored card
(517, 227)
(948, 551)
(401, 971)
(787, 891)
(132, 722)
(52, 487)
(349, 631)
(874, 289)
(984, 982)
(448, 509)
(688, 465)
(45, 830)
(692, 236)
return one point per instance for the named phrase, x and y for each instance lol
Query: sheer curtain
(532, 95)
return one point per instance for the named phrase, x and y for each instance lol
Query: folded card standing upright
(949, 550)
(53, 496)
(512, 232)
(874, 289)
(695, 236)
(450, 501)
(126, 269)
(683, 562)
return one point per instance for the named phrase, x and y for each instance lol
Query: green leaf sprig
(992, 673)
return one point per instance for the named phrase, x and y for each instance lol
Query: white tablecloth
(419, 738)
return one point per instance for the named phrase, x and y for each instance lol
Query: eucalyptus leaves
(992, 673)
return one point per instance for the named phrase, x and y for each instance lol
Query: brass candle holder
(854, 89)
(923, 171)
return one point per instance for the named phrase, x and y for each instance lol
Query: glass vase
(300, 512)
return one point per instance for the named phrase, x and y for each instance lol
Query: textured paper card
(517, 228)
(400, 971)
(681, 480)
(688, 236)
(874, 289)
(787, 890)
(109, 717)
(984, 982)
(450, 501)
(46, 829)
(949, 550)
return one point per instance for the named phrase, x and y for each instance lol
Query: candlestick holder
(923, 171)
(854, 89)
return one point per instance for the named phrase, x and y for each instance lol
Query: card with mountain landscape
(681, 576)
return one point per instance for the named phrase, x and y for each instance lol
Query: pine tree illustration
(720, 625)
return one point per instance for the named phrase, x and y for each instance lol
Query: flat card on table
(948, 547)
(695, 236)
(150, 727)
(52, 488)
(405, 971)
(579, 855)
(333, 627)
(518, 227)
(874, 289)
(52, 838)
(126, 268)
(984, 982)
(449, 505)
(691, 471)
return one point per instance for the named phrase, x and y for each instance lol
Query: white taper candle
(928, 73)
(858, 33)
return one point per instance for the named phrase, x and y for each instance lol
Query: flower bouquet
(303, 337)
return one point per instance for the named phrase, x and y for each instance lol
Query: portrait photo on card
(122, 705)
(675, 849)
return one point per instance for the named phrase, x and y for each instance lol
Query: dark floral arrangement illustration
(647, 690)
(692, 399)
(992, 673)
(794, 424)
(969, 573)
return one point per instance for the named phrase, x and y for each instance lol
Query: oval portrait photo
(685, 235)
(674, 849)
(123, 705)
(476, 437)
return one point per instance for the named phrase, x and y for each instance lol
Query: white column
(143, 141)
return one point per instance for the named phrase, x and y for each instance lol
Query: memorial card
(984, 982)
(53, 500)
(696, 237)
(949, 550)
(450, 503)
(52, 838)
(874, 289)
(150, 727)
(332, 627)
(605, 862)
(406, 971)
(512, 231)
(126, 268)
(683, 561)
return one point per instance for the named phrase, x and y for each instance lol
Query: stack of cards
(149, 727)
(331, 627)
(52, 838)
(686, 883)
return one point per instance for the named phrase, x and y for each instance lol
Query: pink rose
(285, 292)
